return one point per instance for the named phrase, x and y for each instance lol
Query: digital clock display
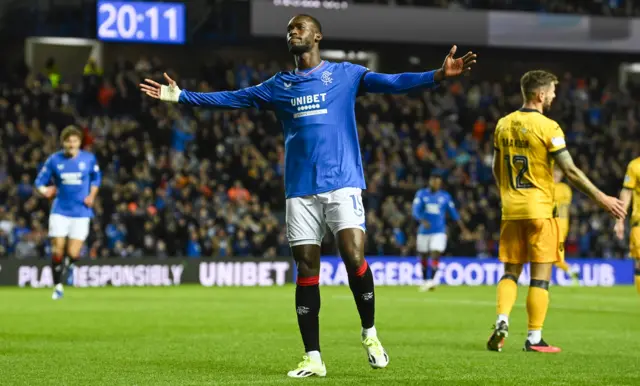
(141, 22)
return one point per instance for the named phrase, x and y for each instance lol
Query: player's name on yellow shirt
(517, 143)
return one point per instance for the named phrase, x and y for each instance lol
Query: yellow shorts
(535, 241)
(634, 242)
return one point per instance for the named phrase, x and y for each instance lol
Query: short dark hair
(313, 20)
(70, 131)
(533, 80)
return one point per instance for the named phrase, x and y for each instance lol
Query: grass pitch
(192, 335)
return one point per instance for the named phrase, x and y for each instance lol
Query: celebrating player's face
(301, 35)
(71, 145)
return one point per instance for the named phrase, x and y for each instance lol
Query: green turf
(244, 336)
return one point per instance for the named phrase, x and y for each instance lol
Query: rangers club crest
(326, 78)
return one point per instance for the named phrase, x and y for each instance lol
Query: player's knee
(73, 250)
(307, 259)
(509, 276)
(351, 245)
(57, 250)
(543, 284)
(541, 271)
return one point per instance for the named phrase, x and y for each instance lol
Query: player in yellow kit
(562, 198)
(631, 191)
(526, 146)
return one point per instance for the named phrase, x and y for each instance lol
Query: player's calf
(57, 268)
(70, 266)
(537, 306)
(506, 294)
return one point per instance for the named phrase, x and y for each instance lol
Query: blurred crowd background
(624, 8)
(179, 181)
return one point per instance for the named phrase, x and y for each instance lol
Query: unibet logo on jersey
(309, 105)
(71, 178)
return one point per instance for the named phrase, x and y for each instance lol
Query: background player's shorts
(535, 241)
(634, 242)
(75, 228)
(308, 217)
(436, 242)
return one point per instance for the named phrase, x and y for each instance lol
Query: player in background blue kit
(76, 177)
(323, 167)
(430, 208)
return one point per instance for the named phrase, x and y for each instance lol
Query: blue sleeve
(356, 74)
(255, 96)
(95, 177)
(417, 208)
(451, 208)
(374, 82)
(44, 176)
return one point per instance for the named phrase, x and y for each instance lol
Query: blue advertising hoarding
(455, 271)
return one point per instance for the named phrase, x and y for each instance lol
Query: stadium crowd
(621, 8)
(201, 183)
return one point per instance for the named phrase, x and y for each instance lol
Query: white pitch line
(484, 303)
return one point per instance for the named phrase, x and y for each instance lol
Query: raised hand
(456, 66)
(167, 93)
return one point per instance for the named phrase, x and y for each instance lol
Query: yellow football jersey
(524, 142)
(631, 182)
(563, 196)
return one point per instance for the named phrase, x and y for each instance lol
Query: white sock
(314, 356)
(534, 336)
(367, 332)
(502, 318)
(59, 287)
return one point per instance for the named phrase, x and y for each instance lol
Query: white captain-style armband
(170, 93)
(43, 190)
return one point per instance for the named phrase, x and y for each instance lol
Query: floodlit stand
(70, 54)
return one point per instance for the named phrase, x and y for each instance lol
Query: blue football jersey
(433, 207)
(316, 108)
(73, 178)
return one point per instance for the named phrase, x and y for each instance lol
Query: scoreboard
(141, 22)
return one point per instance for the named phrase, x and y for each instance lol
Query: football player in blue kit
(324, 176)
(430, 208)
(76, 177)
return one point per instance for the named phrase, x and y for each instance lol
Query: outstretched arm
(401, 83)
(375, 82)
(256, 96)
